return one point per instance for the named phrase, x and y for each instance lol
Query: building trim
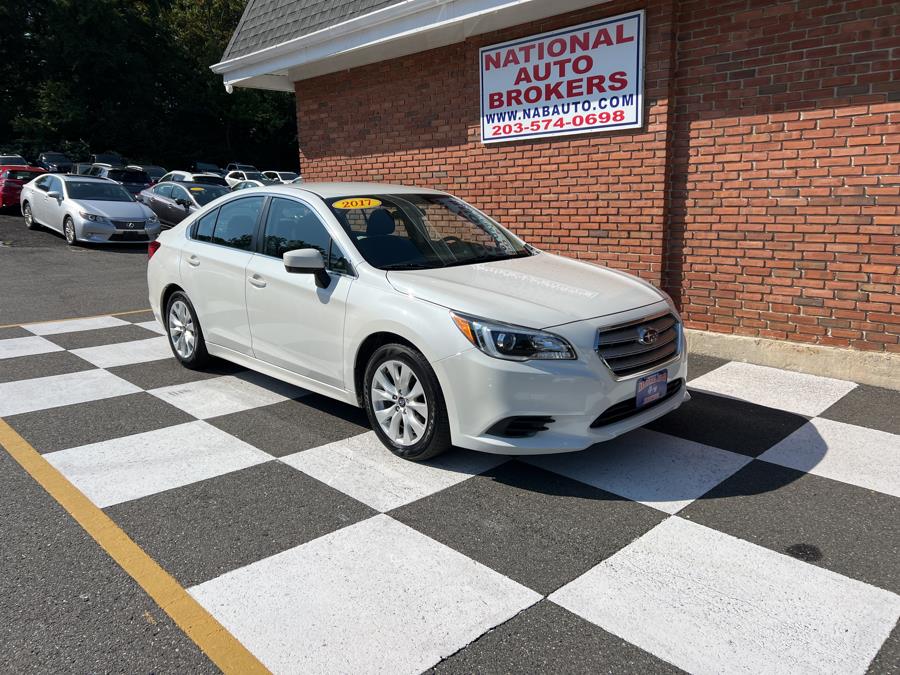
(394, 31)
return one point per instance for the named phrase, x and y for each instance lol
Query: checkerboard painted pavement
(756, 529)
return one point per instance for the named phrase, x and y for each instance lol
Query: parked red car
(12, 178)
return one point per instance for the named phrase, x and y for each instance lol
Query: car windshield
(56, 156)
(204, 194)
(423, 231)
(251, 175)
(155, 172)
(210, 180)
(129, 176)
(12, 160)
(287, 175)
(97, 191)
(203, 166)
(19, 174)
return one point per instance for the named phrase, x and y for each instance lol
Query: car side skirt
(282, 374)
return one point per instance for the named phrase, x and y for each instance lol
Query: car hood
(117, 210)
(539, 291)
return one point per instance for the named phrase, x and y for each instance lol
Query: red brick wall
(784, 220)
(763, 191)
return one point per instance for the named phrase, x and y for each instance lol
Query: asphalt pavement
(757, 528)
(43, 278)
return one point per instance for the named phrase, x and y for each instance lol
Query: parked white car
(283, 177)
(87, 209)
(193, 177)
(443, 325)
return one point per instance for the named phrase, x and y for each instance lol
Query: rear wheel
(405, 404)
(30, 222)
(69, 231)
(185, 335)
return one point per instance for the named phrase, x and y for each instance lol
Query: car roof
(329, 190)
(75, 176)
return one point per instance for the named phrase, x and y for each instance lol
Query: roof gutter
(397, 30)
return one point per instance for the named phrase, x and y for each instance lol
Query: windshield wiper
(407, 266)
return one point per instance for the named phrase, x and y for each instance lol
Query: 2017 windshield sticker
(356, 203)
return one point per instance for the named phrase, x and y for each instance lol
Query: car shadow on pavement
(695, 452)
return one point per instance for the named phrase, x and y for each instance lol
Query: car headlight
(152, 218)
(93, 217)
(512, 343)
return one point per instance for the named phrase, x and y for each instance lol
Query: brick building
(761, 189)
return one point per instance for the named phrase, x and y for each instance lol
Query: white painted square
(220, 395)
(710, 603)
(26, 346)
(782, 389)
(58, 390)
(374, 597)
(363, 468)
(135, 466)
(844, 452)
(126, 353)
(73, 325)
(661, 471)
(153, 325)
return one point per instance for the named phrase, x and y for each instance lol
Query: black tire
(436, 438)
(28, 214)
(199, 358)
(69, 231)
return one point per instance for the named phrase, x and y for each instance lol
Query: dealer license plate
(651, 388)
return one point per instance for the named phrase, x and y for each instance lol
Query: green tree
(134, 76)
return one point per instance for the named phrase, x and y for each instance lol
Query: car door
(213, 270)
(53, 210)
(295, 324)
(38, 198)
(162, 202)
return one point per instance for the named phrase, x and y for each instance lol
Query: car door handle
(257, 281)
(194, 261)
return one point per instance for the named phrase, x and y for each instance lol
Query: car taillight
(152, 248)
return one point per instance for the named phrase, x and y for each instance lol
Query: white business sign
(586, 78)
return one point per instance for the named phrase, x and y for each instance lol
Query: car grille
(623, 351)
(625, 409)
(129, 224)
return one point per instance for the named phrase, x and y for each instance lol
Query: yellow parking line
(198, 624)
(78, 318)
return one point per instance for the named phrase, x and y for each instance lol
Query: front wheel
(185, 335)
(405, 404)
(30, 222)
(69, 231)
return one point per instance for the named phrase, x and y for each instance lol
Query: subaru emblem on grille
(647, 336)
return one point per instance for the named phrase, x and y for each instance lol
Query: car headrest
(380, 223)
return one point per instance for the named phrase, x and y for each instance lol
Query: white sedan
(408, 302)
(87, 209)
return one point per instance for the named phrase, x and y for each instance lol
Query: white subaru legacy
(446, 327)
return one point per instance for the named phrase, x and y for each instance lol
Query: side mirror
(183, 202)
(53, 194)
(307, 261)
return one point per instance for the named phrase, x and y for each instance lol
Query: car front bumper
(482, 393)
(107, 233)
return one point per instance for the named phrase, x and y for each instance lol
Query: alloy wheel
(69, 230)
(399, 403)
(29, 218)
(181, 329)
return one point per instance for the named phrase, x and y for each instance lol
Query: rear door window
(236, 223)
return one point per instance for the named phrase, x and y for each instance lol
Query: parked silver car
(87, 209)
